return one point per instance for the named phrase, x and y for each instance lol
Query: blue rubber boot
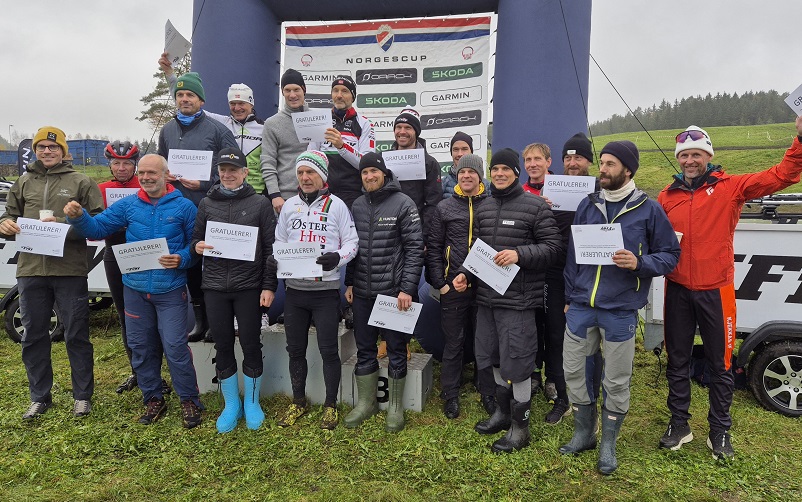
(227, 420)
(254, 416)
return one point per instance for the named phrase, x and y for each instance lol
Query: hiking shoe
(82, 407)
(451, 408)
(129, 383)
(550, 391)
(330, 418)
(559, 410)
(153, 411)
(720, 443)
(292, 414)
(36, 409)
(191, 413)
(676, 435)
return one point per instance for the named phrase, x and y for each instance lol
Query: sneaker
(82, 407)
(330, 418)
(265, 322)
(550, 391)
(36, 409)
(676, 435)
(191, 413)
(558, 411)
(293, 413)
(129, 383)
(720, 443)
(153, 411)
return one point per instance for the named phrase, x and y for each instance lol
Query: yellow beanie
(53, 134)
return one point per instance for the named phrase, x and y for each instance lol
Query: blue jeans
(154, 321)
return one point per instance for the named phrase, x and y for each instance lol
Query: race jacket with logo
(358, 139)
(707, 214)
(327, 223)
(425, 193)
(117, 237)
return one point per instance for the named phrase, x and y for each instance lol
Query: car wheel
(775, 376)
(14, 328)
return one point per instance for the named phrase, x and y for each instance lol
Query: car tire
(13, 323)
(775, 377)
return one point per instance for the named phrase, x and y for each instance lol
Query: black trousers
(115, 280)
(366, 338)
(554, 297)
(221, 308)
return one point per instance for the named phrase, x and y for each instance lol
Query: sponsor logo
(396, 76)
(467, 53)
(322, 77)
(384, 37)
(286, 274)
(451, 96)
(442, 73)
(767, 269)
(386, 59)
(318, 100)
(382, 123)
(214, 252)
(508, 222)
(306, 60)
(709, 191)
(26, 248)
(607, 228)
(454, 119)
(132, 269)
(443, 144)
(52, 136)
(384, 146)
(386, 100)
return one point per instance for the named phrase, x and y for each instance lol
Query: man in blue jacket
(609, 296)
(155, 300)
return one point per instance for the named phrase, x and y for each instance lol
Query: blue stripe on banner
(414, 37)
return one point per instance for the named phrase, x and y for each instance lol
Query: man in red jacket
(704, 204)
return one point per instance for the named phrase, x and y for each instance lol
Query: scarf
(187, 119)
(620, 194)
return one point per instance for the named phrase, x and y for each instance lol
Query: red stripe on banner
(396, 25)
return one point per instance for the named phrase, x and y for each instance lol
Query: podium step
(416, 391)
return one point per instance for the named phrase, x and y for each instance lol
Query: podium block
(416, 391)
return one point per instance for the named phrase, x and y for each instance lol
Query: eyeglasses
(694, 135)
(51, 148)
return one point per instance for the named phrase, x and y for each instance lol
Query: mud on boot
(584, 437)
(611, 426)
(500, 419)
(366, 406)
(518, 436)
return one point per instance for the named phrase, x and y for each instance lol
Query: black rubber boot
(584, 430)
(518, 435)
(500, 419)
(611, 426)
(201, 322)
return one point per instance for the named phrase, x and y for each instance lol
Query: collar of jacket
(285, 108)
(713, 174)
(323, 192)
(349, 114)
(511, 191)
(243, 192)
(479, 195)
(38, 168)
(169, 188)
(390, 186)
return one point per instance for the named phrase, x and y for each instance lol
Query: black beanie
(508, 157)
(578, 144)
(347, 82)
(408, 116)
(626, 152)
(373, 159)
(461, 136)
(293, 77)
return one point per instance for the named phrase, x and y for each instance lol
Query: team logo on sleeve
(384, 37)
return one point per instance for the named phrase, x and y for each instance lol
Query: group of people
(381, 235)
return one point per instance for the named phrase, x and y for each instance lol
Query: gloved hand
(328, 260)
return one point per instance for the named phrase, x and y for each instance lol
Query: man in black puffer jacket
(389, 262)
(521, 228)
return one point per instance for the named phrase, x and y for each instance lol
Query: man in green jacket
(42, 280)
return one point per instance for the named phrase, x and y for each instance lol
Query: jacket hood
(39, 168)
(480, 195)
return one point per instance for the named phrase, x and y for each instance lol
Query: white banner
(439, 67)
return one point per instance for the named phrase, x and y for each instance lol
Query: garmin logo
(451, 96)
(322, 77)
(386, 100)
(454, 119)
(382, 123)
(397, 76)
(318, 100)
(386, 59)
(460, 72)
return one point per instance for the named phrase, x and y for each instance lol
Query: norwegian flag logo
(384, 37)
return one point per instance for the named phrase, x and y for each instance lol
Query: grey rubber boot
(611, 426)
(518, 435)
(395, 408)
(584, 430)
(500, 419)
(366, 406)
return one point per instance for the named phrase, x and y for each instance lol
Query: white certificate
(175, 45)
(311, 126)
(406, 164)
(41, 237)
(296, 260)
(190, 164)
(596, 244)
(794, 100)
(140, 255)
(566, 192)
(236, 242)
(480, 262)
(385, 314)
(115, 194)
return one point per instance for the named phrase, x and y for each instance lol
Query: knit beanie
(316, 160)
(240, 92)
(471, 161)
(410, 117)
(232, 156)
(347, 82)
(689, 143)
(293, 77)
(626, 152)
(373, 159)
(53, 134)
(578, 144)
(190, 81)
(508, 157)
(461, 136)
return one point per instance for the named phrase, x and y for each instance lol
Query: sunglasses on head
(693, 135)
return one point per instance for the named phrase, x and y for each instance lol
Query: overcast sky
(83, 66)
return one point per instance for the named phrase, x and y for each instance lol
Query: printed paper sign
(596, 244)
(566, 192)
(385, 314)
(175, 45)
(296, 260)
(480, 263)
(41, 237)
(235, 242)
(115, 194)
(794, 100)
(406, 164)
(190, 164)
(141, 255)
(311, 126)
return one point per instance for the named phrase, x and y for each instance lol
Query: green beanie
(190, 81)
